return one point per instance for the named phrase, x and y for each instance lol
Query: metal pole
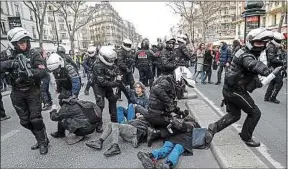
(245, 20)
(56, 30)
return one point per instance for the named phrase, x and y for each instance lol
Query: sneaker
(146, 160)
(113, 150)
(97, 144)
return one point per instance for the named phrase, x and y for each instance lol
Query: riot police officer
(143, 62)
(182, 53)
(240, 78)
(87, 64)
(274, 59)
(62, 52)
(168, 57)
(104, 80)
(67, 81)
(26, 68)
(125, 63)
(157, 60)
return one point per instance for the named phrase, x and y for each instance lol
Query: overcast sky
(151, 19)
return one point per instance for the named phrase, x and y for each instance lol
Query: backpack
(201, 138)
(91, 111)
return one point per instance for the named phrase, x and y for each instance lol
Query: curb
(228, 149)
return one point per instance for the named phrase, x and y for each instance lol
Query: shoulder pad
(71, 70)
(239, 53)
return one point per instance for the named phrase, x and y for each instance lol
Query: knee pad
(26, 124)
(100, 101)
(37, 123)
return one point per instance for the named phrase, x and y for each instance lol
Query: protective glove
(14, 64)
(119, 77)
(177, 123)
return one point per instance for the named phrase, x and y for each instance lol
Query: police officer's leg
(233, 115)
(112, 98)
(45, 94)
(34, 106)
(88, 85)
(253, 116)
(2, 110)
(99, 93)
(131, 80)
(149, 75)
(142, 77)
(269, 90)
(277, 88)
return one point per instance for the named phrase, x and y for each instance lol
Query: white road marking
(263, 149)
(9, 134)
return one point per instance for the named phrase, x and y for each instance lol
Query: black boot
(273, 97)
(60, 133)
(146, 160)
(42, 139)
(99, 128)
(113, 150)
(152, 134)
(250, 142)
(97, 144)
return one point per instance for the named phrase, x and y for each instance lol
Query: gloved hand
(119, 77)
(267, 71)
(177, 124)
(14, 64)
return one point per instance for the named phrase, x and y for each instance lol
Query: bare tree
(39, 10)
(206, 11)
(76, 13)
(283, 15)
(187, 11)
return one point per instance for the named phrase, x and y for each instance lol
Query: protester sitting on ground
(134, 132)
(137, 97)
(173, 147)
(78, 117)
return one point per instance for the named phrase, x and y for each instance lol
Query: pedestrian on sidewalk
(200, 62)
(224, 60)
(207, 68)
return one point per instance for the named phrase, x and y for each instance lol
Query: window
(33, 31)
(31, 15)
(61, 27)
(274, 20)
(3, 28)
(264, 21)
(2, 11)
(50, 8)
(17, 10)
(63, 35)
(70, 27)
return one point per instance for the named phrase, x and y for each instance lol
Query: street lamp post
(252, 15)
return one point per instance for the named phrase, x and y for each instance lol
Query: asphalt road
(16, 142)
(272, 127)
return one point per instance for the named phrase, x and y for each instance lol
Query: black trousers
(45, 93)
(208, 72)
(89, 81)
(219, 72)
(100, 94)
(89, 129)
(28, 107)
(2, 110)
(146, 76)
(274, 87)
(128, 79)
(235, 102)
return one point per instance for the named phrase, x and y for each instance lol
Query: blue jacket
(225, 55)
(140, 100)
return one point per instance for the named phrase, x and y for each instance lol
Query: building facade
(270, 20)
(107, 27)
(19, 9)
